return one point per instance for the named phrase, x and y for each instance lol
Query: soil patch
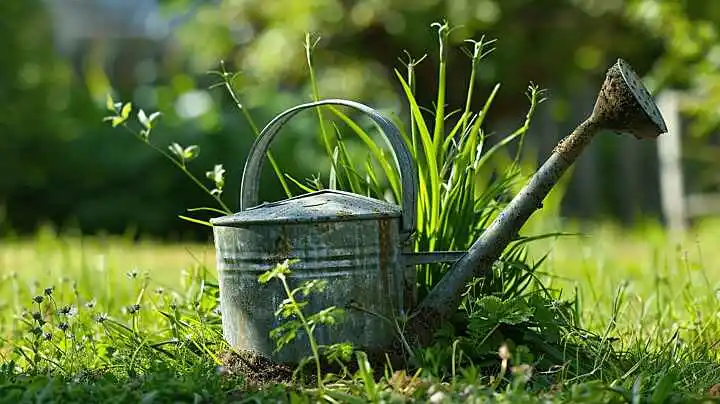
(257, 369)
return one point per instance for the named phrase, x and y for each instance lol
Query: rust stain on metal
(283, 247)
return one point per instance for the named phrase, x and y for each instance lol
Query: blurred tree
(690, 34)
(556, 43)
(689, 31)
(37, 110)
(59, 163)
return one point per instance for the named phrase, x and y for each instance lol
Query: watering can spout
(623, 105)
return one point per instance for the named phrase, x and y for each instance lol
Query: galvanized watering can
(361, 246)
(358, 244)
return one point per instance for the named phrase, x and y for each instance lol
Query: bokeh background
(61, 165)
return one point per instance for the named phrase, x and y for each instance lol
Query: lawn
(656, 295)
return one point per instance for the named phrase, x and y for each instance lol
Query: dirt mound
(257, 369)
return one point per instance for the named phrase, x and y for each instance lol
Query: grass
(657, 297)
(658, 294)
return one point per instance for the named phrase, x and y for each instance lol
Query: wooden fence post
(669, 149)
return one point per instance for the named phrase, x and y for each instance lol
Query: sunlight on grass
(663, 282)
(47, 258)
(660, 276)
(656, 295)
(99, 269)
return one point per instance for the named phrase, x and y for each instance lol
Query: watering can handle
(406, 166)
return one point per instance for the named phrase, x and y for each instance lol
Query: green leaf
(155, 115)
(288, 308)
(143, 119)
(352, 177)
(126, 109)
(664, 387)
(339, 352)
(314, 285)
(222, 212)
(332, 182)
(432, 195)
(285, 333)
(278, 271)
(117, 120)
(176, 150)
(299, 184)
(366, 374)
(217, 176)
(327, 316)
(190, 152)
(197, 221)
(494, 310)
(390, 172)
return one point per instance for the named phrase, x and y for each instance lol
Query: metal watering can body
(359, 245)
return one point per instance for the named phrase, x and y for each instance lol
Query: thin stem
(438, 132)
(411, 84)
(255, 131)
(443, 31)
(308, 330)
(182, 167)
(471, 87)
(316, 93)
(534, 92)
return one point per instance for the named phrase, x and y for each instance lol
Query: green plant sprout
(179, 155)
(290, 311)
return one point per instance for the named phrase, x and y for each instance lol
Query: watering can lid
(319, 206)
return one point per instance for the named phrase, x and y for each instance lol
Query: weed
(291, 311)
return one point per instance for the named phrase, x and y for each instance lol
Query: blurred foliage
(556, 43)
(690, 33)
(60, 164)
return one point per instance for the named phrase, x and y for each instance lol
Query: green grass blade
(196, 221)
(346, 164)
(222, 212)
(438, 130)
(300, 185)
(432, 196)
(316, 92)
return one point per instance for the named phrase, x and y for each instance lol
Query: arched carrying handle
(408, 176)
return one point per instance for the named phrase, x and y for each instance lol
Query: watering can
(362, 246)
(359, 245)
